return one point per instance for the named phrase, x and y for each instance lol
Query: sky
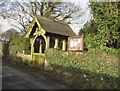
(5, 23)
(85, 17)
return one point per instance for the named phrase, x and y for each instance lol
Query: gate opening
(39, 45)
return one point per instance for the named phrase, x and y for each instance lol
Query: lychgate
(45, 33)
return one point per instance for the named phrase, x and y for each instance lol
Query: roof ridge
(52, 20)
(55, 26)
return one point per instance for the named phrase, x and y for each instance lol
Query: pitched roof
(55, 27)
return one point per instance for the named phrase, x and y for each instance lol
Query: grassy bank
(93, 69)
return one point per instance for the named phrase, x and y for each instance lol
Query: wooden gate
(38, 60)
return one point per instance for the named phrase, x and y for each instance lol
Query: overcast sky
(5, 24)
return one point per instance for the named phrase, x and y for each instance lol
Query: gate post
(64, 45)
(56, 43)
(47, 42)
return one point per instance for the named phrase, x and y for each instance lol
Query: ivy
(103, 32)
(106, 18)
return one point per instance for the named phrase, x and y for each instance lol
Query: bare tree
(24, 12)
(19, 12)
(57, 11)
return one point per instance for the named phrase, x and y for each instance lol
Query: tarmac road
(13, 78)
(0, 73)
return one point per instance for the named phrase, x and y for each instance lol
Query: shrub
(19, 44)
(93, 69)
(93, 61)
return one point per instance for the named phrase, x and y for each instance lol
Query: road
(13, 78)
(0, 73)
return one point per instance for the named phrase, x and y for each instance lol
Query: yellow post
(40, 51)
(56, 43)
(23, 55)
(40, 48)
(47, 42)
(64, 45)
(32, 51)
